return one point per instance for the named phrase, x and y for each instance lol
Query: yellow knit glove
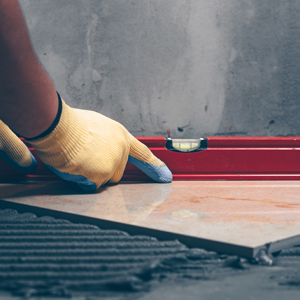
(90, 149)
(15, 152)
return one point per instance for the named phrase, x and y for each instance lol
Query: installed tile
(243, 213)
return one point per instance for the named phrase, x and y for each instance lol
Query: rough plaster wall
(263, 91)
(198, 67)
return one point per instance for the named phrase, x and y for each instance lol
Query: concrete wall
(198, 67)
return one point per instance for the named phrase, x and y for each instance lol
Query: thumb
(15, 152)
(143, 158)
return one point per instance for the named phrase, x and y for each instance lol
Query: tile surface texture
(242, 213)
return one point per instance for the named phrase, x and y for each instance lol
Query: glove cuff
(62, 143)
(53, 125)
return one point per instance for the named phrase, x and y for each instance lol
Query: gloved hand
(15, 152)
(90, 149)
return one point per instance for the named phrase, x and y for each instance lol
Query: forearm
(28, 100)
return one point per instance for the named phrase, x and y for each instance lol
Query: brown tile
(245, 213)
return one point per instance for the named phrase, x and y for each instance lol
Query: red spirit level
(211, 158)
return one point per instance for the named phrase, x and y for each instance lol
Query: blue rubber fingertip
(33, 166)
(84, 183)
(158, 174)
(27, 170)
(88, 186)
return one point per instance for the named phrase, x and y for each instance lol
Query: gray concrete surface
(50, 259)
(198, 67)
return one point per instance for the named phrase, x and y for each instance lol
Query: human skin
(28, 99)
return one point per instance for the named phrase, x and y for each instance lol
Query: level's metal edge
(176, 177)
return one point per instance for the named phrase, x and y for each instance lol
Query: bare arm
(29, 105)
(28, 100)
